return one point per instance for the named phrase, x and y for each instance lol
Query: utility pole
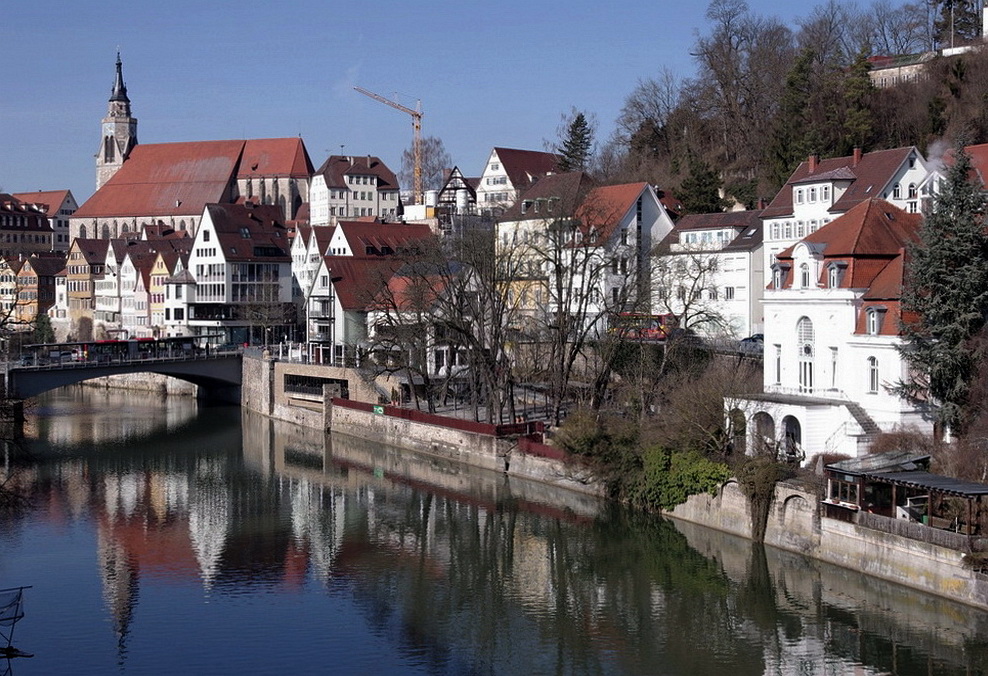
(416, 135)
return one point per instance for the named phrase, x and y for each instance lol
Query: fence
(921, 532)
(530, 431)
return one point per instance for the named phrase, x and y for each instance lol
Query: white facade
(817, 201)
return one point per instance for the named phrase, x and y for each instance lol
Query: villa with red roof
(171, 183)
(832, 339)
(820, 190)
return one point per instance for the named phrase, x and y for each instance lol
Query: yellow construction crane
(416, 137)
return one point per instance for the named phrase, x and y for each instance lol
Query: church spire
(119, 88)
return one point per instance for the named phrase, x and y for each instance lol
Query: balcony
(321, 312)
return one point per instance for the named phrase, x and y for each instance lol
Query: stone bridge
(217, 376)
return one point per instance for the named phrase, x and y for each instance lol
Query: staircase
(868, 426)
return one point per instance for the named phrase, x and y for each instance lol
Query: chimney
(761, 204)
(856, 158)
(813, 159)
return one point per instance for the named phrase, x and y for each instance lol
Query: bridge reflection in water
(258, 533)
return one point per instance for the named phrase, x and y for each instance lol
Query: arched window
(805, 345)
(897, 191)
(873, 321)
(106, 231)
(82, 232)
(873, 375)
(912, 190)
(833, 277)
(804, 275)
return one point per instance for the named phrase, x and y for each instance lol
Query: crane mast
(416, 136)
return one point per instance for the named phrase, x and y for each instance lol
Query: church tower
(119, 131)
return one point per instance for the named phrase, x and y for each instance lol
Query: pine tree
(576, 145)
(700, 191)
(946, 296)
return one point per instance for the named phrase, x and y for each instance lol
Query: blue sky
(492, 74)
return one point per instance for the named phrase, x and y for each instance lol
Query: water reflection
(448, 570)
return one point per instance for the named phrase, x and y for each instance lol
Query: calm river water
(161, 537)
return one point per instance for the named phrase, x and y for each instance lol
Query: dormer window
(874, 319)
(779, 272)
(804, 275)
(525, 206)
(835, 274)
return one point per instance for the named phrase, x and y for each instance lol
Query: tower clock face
(107, 129)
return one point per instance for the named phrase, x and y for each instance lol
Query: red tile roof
(568, 189)
(869, 177)
(605, 206)
(367, 238)
(358, 281)
(523, 166)
(337, 167)
(179, 179)
(275, 157)
(52, 200)
(250, 233)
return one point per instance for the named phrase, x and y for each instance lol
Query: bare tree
(435, 162)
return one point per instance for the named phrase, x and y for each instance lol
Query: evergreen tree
(958, 22)
(946, 296)
(576, 144)
(700, 191)
(43, 332)
(792, 137)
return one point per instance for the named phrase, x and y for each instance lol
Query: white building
(721, 279)
(58, 205)
(350, 187)
(821, 190)
(510, 172)
(832, 336)
(242, 267)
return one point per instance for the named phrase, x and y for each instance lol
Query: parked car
(752, 346)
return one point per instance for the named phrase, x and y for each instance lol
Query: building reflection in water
(455, 561)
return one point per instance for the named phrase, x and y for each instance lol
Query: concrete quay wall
(795, 525)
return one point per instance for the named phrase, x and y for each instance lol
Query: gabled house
(819, 191)
(356, 261)
(24, 227)
(832, 338)
(58, 205)
(36, 286)
(602, 237)
(241, 263)
(348, 186)
(179, 288)
(708, 271)
(85, 264)
(134, 273)
(510, 172)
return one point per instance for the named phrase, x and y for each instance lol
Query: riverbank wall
(795, 524)
(309, 396)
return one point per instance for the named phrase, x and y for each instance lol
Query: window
(778, 364)
(912, 191)
(728, 293)
(811, 195)
(804, 275)
(835, 273)
(874, 321)
(825, 193)
(897, 191)
(873, 375)
(805, 345)
(799, 196)
(205, 235)
(833, 368)
(713, 293)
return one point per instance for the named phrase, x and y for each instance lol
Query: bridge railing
(49, 364)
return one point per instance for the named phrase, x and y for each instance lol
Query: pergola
(899, 485)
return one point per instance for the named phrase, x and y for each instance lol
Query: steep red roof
(274, 157)
(358, 281)
(93, 250)
(604, 207)
(522, 166)
(52, 200)
(175, 179)
(166, 179)
(367, 238)
(250, 233)
(872, 228)
(747, 224)
(868, 177)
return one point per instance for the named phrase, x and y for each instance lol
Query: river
(164, 537)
